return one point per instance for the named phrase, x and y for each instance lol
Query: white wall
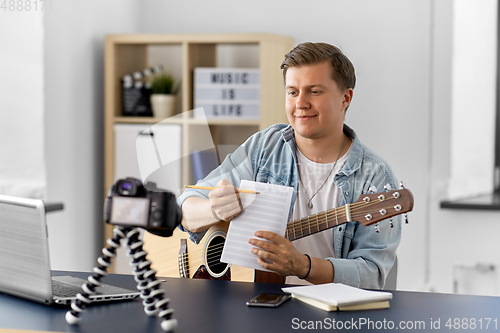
(22, 164)
(74, 42)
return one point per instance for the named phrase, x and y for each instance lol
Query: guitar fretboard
(368, 209)
(315, 223)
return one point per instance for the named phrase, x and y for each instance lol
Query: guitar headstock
(375, 207)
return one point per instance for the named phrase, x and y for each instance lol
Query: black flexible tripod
(151, 293)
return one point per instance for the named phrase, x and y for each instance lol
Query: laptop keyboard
(60, 289)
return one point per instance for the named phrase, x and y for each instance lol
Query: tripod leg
(83, 299)
(142, 270)
(151, 293)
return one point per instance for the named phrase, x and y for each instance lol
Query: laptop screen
(24, 259)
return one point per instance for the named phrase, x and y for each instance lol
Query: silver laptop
(24, 258)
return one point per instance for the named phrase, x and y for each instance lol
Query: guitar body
(177, 256)
(268, 277)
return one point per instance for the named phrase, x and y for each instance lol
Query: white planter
(163, 105)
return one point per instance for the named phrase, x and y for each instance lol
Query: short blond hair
(313, 53)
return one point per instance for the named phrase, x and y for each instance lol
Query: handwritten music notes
(267, 210)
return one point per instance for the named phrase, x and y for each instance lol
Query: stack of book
(340, 297)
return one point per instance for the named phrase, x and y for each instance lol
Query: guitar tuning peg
(372, 189)
(376, 228)
(387, 187)
(401, 185)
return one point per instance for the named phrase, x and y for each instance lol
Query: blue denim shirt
(363, 257)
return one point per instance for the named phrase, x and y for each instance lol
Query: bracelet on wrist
(309, 271)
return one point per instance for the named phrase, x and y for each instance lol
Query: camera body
(130, 203)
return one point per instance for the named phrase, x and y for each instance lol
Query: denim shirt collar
(354, 159)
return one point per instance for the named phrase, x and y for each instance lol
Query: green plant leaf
(163, 83)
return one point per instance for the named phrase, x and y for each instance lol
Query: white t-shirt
(312, 174)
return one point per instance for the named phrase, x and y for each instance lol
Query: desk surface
(219, 306)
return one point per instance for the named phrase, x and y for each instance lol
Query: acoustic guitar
(203, 260)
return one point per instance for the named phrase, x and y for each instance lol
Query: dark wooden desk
(219, 306)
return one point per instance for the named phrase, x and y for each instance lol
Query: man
(325, 163)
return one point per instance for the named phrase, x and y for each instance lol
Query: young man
(326, 164)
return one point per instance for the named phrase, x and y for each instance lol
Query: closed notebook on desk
(328, 307)
(338, 296)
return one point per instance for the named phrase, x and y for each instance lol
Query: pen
(213, 188)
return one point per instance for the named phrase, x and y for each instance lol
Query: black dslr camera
(130, 203)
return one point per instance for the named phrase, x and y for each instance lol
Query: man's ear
(348, 93)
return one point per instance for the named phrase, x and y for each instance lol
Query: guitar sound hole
(214, 252)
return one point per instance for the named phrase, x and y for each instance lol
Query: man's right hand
(225, 201)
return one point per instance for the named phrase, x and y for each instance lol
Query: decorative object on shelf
(136, 93)
(227, 92)
(163, 95)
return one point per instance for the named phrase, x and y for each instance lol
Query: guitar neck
(315, 223)
(368, 209)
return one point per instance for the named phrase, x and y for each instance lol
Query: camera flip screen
(130, 211)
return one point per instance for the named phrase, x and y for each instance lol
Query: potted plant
(163, 95)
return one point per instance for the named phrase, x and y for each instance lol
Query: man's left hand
(285, 259)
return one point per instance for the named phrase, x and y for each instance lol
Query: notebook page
(267, 211)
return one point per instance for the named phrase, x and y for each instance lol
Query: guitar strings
(336, 212)
(211, 249)
(213, 254)
(184, 267)
(320, 222)
(354, 208)
(333, 214)
(212, 261)
(307, 222)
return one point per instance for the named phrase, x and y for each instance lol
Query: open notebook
(24, 260)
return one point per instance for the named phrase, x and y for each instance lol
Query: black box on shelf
(136, 102)
(136, 92)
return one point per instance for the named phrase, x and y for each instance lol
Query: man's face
(314, 103)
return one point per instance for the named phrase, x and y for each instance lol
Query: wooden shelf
(145, 120)
(192, 121)
(235, 38)
(125, 54)
(225, 122)
(180, 54)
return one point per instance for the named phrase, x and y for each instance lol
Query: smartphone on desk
(269, 300)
